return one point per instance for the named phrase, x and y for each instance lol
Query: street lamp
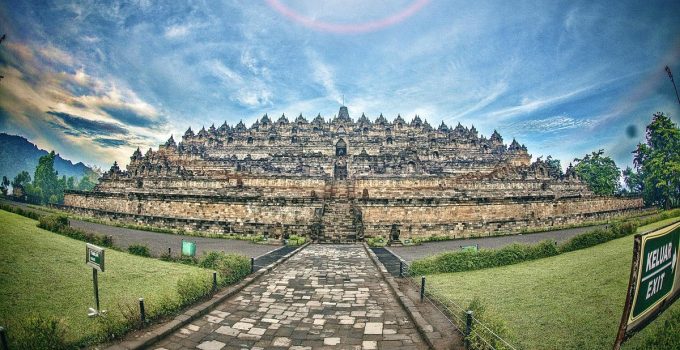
(670, 75)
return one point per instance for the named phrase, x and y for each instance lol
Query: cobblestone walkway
(326, 296)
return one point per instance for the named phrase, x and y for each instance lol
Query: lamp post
(670, 75)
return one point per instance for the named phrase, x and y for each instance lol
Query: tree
(21, 180)
(4, 185)
(19, 184)
(633, 180)
(554, 167)
(86, 184)
(46, 181)
(71, 183)
(600, 173)
(658, 162)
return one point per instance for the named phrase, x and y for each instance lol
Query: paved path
(410, 253)
(325, 296)
(159, 243)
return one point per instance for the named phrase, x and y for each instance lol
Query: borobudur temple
(342, 180)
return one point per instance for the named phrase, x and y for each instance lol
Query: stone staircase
(339, 215)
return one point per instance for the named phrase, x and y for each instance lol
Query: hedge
(516, 253)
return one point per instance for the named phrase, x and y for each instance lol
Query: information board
(94, 256)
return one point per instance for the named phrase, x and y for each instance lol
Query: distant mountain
(18, 154)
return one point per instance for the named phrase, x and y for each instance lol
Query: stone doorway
(341, 148)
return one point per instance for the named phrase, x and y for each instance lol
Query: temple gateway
(342, 180)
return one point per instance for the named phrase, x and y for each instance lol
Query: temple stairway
(339, 224)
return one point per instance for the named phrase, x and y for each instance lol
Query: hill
(18, 154)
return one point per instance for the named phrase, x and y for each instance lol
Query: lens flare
(344, 28)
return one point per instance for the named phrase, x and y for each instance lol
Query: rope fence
(477, 334)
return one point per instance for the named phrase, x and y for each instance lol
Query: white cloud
(323, 74)
(177, 31)
(34, 88)
(550, 124)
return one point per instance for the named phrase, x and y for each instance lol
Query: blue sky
(95, 79)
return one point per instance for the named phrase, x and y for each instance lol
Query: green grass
(570, 301)
(42, 273)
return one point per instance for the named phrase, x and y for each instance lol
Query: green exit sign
(657, 270)
(94, 256)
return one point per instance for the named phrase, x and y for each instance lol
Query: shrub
(59, 223)
(139, 249)
(192, 288)
(481, 337)
(296, 240)
(19, 211)
(165, 305)
(111, 327)
(40, 332)
(230, 267)
(587, 239)
(376, 241)
(624, 229)
(485, 258)
(53, 222)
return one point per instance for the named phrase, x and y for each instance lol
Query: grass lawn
(570, 301)
(44, 273)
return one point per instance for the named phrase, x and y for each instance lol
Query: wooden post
(621, 334)
(468, 328)
(141, 311)
(95, 281)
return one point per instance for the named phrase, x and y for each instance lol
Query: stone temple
(342, 180)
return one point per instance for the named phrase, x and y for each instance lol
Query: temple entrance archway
(341, 148)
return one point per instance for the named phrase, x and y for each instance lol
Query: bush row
(58, 223)
(515, 253)
(44, 332)
(139, 249)
(482, 259)
(20, 211)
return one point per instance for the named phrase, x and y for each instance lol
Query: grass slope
(570, 301)
(45, 273)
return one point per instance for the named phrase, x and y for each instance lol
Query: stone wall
(415, 217)
(473, 218)
(191, 212)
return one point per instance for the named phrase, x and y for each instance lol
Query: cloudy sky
(95, 79)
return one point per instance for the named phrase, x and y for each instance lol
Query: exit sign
(654, 282)
(658, 266)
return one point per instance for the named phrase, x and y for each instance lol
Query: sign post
(188, 248)
(94, 257)
(654, 280)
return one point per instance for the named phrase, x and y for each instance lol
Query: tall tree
(4, 185)
(633, 180)
(600, 173)
(658, 162)
(46, 180)
(21, 180)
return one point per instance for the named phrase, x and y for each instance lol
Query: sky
(94, 80)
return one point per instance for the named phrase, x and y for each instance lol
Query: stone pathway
(326, 296)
